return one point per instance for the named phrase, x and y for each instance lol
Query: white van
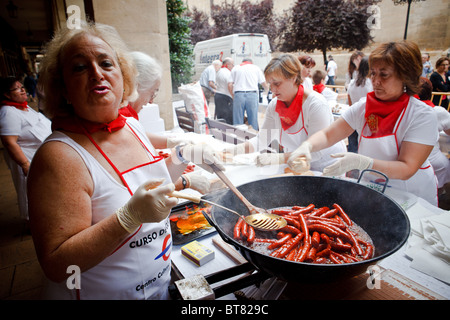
(237, 46)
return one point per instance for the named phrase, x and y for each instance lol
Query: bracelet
(179, 155)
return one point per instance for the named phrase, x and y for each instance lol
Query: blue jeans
(331, 80)
(246, 102)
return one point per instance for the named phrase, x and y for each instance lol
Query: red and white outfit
(31, 129)
(140, 267)
(315, 115)
(415, 123)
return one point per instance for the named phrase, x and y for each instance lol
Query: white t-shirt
(30, 126)
(357, 92)
(247, 77)
(222, 79)
(209, 74)
(307, 83)
(316, 115)
(331, 68)
(329, 94)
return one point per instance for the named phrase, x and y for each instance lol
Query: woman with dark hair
(353, 66)
(396, 131)
(440, 81)
(358, 88)
(361, 85)
(22, 130)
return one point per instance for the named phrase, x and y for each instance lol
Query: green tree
(235, 17)
(200, 27)
(327, 24)
(181, 49)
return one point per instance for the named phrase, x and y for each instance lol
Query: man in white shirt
(331, 70)
(427, 67)
(208, 79)
(246, 78)
(223, 99)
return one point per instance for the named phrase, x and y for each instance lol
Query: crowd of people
(98, 194)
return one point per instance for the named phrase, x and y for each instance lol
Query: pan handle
(386, 179)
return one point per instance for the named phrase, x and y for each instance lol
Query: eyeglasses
(18, 88)
(155, 94)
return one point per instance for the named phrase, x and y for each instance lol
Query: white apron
(423, 183)
(33, 134)
(140, 267)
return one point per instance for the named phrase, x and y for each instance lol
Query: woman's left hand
(197, 182)
(349, 161)
(202, 155)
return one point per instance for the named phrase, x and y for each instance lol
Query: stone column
(143, 26)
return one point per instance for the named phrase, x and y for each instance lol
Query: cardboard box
(197, 253)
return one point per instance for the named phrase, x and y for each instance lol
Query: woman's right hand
(149, 204)
(300, 160)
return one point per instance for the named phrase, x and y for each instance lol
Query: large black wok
(383, 219)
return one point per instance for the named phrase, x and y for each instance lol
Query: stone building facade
(429, 27)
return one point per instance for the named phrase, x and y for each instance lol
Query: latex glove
(235, 149)
(149, 204)
(228, 153)
(202, 155)
(197, 182)
(300, 160)
(173, 142)
(349, 161)
(268, 159)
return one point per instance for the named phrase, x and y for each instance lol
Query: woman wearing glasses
(22, 130)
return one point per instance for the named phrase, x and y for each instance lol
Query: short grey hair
(149, 70)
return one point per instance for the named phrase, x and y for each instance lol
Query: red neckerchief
(319, 87)
(289, 115)
(428, 102)
(21, 106)
(128, 111)
(381, 116)
(244, 63)
(77, 125)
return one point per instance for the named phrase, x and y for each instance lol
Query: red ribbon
(128, 111)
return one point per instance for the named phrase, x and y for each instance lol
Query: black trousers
(224, 107)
